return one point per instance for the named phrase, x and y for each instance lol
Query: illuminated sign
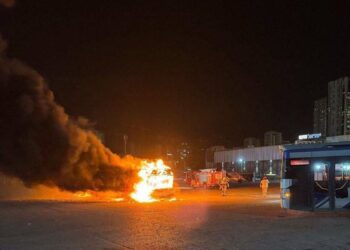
(309, 136)
(299, 162)
(302, 137)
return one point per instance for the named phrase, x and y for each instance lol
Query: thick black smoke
(41, 144)
(7, 3)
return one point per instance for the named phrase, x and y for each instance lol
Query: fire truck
(206, 178)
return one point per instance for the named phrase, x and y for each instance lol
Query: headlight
(285, 194)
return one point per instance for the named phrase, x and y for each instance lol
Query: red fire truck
(203, 178)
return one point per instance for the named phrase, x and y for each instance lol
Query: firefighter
(224, 185)
(264, 185)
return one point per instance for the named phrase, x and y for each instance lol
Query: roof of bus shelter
(249, 154)
(317, 150)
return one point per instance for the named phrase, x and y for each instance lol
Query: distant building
(320, 116)
(338, 107)
(209, 155)
(272, 138)
(257, 161)
(251, 142)
(184, 152)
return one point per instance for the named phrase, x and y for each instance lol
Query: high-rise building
(272, 138)
(251, 142)
(320, 116)
(338, 107)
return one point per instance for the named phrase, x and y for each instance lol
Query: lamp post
(125, 137)
(240, 160)
(270, 170)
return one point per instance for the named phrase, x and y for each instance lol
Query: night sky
(184, 69)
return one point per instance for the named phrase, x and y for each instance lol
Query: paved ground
(197, 220)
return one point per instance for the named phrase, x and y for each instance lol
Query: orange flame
(153, 176)
(83, 194)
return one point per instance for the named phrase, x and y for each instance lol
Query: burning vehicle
(156, 182)
(78, 162)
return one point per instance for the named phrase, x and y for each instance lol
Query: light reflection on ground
(198, 219)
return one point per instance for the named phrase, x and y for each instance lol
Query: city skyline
(332, 113)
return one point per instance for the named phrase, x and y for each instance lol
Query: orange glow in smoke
(83, 194)
(153, 176)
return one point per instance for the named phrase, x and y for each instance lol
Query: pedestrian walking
(264, 185)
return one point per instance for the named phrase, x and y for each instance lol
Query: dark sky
(193, 69)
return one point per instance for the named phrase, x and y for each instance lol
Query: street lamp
(317, 167)
(125, 138)
(240, 160)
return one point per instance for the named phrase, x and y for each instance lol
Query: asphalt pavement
(198, 219)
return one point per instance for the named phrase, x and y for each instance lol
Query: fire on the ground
(155, 182)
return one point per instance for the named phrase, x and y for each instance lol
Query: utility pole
(125, 137)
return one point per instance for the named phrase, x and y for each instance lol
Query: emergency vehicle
(206, 178)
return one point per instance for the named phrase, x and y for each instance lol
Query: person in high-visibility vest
(224, 185)
(264, 185)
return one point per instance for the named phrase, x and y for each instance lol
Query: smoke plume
(41, 144)
(7, 3)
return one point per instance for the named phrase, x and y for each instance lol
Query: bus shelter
(315, 176)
